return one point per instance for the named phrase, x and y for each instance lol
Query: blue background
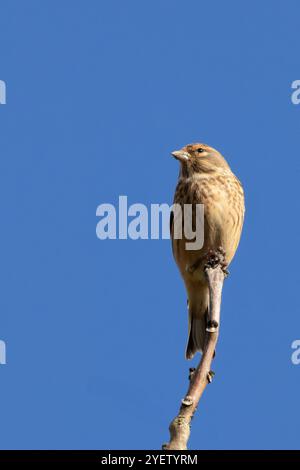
(98, 94)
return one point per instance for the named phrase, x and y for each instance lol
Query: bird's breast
(223, 201)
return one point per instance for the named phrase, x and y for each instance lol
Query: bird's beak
(181, 155)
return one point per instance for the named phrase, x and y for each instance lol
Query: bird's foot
(225, 271)
(216, 258)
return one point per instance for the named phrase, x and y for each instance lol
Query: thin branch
(200, 377)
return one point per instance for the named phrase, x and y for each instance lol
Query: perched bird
(205, 178)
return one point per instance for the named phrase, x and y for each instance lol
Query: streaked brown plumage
(206, 178)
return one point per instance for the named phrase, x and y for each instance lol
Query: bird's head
(199, 158)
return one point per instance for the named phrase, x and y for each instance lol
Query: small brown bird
(205, 178)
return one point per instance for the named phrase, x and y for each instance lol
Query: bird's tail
(197, 326)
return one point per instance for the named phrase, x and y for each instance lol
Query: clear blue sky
(98, 94)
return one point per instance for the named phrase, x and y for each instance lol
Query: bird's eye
(200, 150)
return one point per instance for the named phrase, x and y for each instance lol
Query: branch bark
(202, 375)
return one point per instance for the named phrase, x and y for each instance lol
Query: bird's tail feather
(196, 337)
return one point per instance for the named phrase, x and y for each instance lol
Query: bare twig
(200, 377)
